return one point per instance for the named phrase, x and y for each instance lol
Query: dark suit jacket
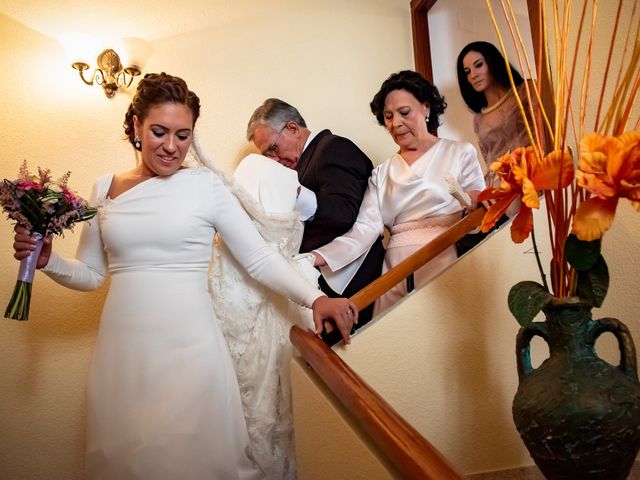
(337, 171)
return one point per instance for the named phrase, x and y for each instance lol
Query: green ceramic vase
(578, 415)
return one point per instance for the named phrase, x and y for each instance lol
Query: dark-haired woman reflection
(497, 121)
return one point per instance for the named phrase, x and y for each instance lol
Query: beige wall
(327, 57)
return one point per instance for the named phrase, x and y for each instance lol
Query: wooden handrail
(409, 452)
(397, 274)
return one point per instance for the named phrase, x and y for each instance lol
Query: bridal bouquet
(584, 153)
(44, 207)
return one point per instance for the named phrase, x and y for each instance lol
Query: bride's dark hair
(155, 89)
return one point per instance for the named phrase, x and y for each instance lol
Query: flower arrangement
(580, 170)
(44, 207)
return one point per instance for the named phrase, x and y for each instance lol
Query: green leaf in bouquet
(88, 214)
(31, 208)
(592, 284)
(580, 254)
(526, 299)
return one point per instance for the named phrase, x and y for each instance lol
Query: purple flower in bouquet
(45, 207)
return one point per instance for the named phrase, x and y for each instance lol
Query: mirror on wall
(440, 31)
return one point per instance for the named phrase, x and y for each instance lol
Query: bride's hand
(342, 311)
(24, 244)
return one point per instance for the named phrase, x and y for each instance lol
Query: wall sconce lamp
(110, 72)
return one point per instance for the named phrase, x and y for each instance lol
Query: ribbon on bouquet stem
(18, 308)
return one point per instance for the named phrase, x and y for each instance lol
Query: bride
(255, 320)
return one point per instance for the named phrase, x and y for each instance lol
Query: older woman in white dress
(409, 192)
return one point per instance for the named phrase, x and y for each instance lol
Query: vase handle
(625, 342)
(523, 346)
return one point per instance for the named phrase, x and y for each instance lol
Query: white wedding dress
(256, 321)
(163, 400)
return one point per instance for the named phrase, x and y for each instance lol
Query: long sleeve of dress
(471, 175)
(89, 268)
(260, 260)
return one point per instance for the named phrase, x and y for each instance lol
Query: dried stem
(537, 254)
(606, 71)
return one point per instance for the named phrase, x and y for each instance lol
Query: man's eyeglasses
(273, 149)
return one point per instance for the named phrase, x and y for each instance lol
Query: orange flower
(524, 175)
(609, 169)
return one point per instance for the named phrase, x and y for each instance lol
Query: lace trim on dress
(102, 200)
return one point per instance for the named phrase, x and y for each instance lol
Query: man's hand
(342, 311)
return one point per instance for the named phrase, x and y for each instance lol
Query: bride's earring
(137, 144)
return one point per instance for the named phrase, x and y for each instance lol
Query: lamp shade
(79, 47)
(134, 52)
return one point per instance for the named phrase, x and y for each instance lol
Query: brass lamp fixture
(110, 72)
(113, 71)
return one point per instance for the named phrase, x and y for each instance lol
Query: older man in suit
(334, 174)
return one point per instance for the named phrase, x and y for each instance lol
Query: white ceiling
(146, 19)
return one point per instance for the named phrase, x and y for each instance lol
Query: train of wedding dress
(255, 320)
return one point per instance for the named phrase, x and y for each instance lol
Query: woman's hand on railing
(342, 311)
(474, 197)
(473, 194)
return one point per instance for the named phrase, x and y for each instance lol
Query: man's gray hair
(275, 114)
